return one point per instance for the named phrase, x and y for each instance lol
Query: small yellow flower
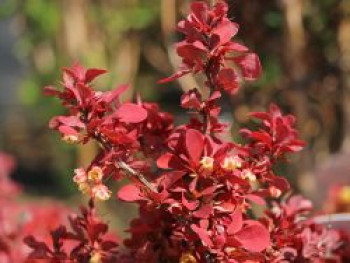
(187, 258)
(70, 139)
(101, 192)
(344, 194)
(248, 174)
(95, 174)
(95, 258)
(84, 188)
(232, 163)
(207, 163)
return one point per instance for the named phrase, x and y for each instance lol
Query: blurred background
(304, 46)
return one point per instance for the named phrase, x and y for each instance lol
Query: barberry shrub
(196, 192)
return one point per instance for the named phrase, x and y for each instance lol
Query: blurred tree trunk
(127, 62)
(297, 70)
(296, 43)
(344, 47)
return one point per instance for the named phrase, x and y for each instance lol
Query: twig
(139, 176)
(125, 167)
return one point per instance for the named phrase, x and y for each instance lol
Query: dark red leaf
(92, 73)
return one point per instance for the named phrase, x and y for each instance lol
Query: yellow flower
(248, 174)
(84, 188)
(95, 174)
(70, 139)
(187, 258)
(101, 192)
(95, 258)
(207, 163)
(231, 163)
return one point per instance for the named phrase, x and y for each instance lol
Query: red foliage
(88, 241)
(18, 219)
(208, 48)
(195, 191)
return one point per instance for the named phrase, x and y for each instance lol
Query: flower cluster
(197, 193)
(91, 183)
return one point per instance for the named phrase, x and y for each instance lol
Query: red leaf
(203, 235)
(51, 91)
(191, 52)
(84, 93)
(254, 237)
(237, 222)
(114, 94)
(168, 179)
(200, 10)
(66, 130)
(250, 66)
(169, 160)
(129, 193)
(234, 46)
(175, 76)
(227, 80)
(262, 136)
(194, 145)
(189, 205)
(281, 183)
(225, 31)
(204, 212)
(256, 199)
(92, 73)
(131, 113)
(72, 121)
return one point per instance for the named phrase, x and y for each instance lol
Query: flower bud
(95, 174)
(101, 192)
(207, 163)
(275, 192)
(70, 139)
(231, 163)
(193, 175)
